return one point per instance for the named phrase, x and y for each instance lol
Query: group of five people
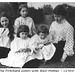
(30, 46)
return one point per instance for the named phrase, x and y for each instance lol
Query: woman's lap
(59, 51)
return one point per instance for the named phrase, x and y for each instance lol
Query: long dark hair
(59, 10)
(10, 26)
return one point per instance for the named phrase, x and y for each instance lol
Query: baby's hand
(39, 47)
(27, 50)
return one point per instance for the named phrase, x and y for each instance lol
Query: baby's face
(4, 21)
(42, 35)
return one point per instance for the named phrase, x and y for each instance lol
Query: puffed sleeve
(32, 26)
(68, 49)
(32, 43)
(16, 25)
(50, 29)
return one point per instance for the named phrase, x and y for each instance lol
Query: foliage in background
(47, 9)
(7, 7)
(70, 14)
(37, 14)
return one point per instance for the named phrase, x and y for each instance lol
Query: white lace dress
(46, 52)
(17, 59)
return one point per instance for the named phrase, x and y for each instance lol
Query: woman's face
(58, 18)
(4, 21)
(23, 35)
(42, 35)
(23, 12)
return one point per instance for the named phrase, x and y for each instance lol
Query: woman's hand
(64, 56)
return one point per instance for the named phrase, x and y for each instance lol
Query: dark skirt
(59, 52)
(4, 52)
(35, 63)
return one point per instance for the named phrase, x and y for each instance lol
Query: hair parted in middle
(20, 7)
(10, 26)
(22, 28)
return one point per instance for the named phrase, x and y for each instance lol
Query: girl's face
(23, 35)
(23, 12)
(4, 21)
(58, 18)
(42, 35)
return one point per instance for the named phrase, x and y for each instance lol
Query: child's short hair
(22, 28)
(43, 29)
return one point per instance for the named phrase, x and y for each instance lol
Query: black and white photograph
(37, 35)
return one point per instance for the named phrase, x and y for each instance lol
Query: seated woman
(42, 48)
(63, 35)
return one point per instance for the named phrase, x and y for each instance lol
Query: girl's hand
(64, 56)
(23, 50)
(20, 50)
(17, 51)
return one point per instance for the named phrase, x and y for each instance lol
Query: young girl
(62, 33)
(42, 47)
(19, 49)
(24, 20)
(6, 34)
